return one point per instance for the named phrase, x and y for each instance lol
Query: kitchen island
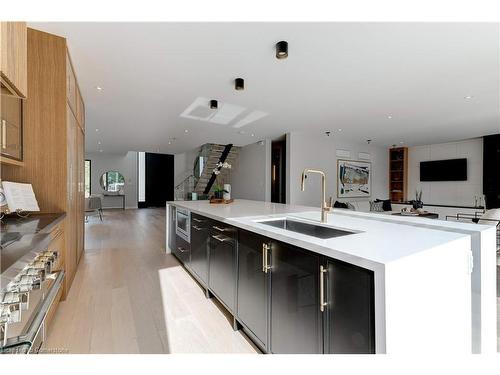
(362, 283)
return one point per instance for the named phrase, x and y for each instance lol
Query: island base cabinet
(253, 285)
(296, 321)
(199, 247)
(222, 269)
(349, 312)
(182, 250)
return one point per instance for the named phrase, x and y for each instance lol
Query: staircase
(212, 154)
(205, 163)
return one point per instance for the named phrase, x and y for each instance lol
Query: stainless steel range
(28, 287)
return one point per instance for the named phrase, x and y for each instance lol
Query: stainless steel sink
(318, 231)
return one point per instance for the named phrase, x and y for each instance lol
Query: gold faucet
(324, 207)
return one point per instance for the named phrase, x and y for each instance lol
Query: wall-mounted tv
(444, 170)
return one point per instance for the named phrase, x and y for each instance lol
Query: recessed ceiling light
(186, 131)
(99, 88)
(98, 142)
(282, 50)
(401, 143)
(169, 142)
(389, 117)
(239, 84)
(97, 130)
(339, 130)
(468, 97)
(253, 135)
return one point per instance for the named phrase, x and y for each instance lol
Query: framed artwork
(353, 179)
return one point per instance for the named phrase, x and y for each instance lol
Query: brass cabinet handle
(265, 257)
(322, 303)
(221, 238)
(4, 134)
(219, 228)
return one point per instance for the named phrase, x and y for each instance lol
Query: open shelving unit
(398, 174)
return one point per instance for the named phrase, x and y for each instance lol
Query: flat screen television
(444, 170)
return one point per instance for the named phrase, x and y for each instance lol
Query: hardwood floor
(128, 296)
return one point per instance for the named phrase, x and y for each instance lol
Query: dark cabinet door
(222, 268)
(349, 322)
(199, 247)
(252, 307)
(296, 322)
(182, 250)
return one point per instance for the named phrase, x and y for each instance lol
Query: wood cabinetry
(13, 61)
(53, 143)
(398, 174)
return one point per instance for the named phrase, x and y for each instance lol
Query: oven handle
(26, 341)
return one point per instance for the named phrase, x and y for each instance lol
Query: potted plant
(218, 187)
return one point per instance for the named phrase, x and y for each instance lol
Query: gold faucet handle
(330, 205)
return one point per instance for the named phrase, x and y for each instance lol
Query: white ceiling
(338, 75)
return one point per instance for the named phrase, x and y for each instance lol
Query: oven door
(183, 224)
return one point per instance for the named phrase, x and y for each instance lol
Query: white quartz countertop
(378, 240)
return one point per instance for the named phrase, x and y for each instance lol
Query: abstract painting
(353, 179)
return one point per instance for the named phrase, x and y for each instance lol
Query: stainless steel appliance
(183, 224)
(28, 287)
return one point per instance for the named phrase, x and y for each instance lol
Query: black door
(222, 268)
(491, 176)
(278, 170)
(296, 325)
(199, 246)
(159, 179)
(252, 285)
(349, 322)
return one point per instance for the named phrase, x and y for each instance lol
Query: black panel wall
(491, 170)
(159, 179)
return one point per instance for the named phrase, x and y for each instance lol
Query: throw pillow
(376, 206)
(338, 204)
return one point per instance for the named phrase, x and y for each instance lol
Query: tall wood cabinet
(54, 140)
(13, 61)
(13, 90)
(398, 174)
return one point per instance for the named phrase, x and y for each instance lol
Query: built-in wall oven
(183, 224)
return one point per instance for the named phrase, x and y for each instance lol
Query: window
(87, 178)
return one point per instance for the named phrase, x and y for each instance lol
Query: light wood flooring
(128, 296)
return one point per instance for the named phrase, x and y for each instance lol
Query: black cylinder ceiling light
(282, 50)
(239, 84)
(213, 104)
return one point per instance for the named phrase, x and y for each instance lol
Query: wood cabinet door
(199, 246)
(80, 109)
(14, 57)
(11, 144)
(252, 295)
(70, 85)
(222, 268)
(71, 214)
(296, 321)
(350, 317)
(80, 195)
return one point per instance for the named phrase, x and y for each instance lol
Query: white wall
(448, 192)
(183, 164)
(251, 174)
(126, 164)
(319, 151)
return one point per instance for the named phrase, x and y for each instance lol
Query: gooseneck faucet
(324, 207)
